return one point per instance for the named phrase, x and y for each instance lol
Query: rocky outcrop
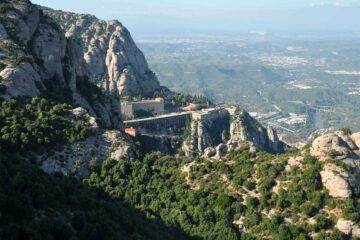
(110, 53)
(336, 180)
(76, 159)
(336, 145)
(209, 152)
(216, 132)
(348, 228)
(344, 149)
(221, 151)
(207, 129)
(20, 80)
(49, 45)
(38, 58)
(245, 128)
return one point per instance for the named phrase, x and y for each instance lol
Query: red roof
(131, 131)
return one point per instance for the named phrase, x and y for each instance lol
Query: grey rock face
(3, 33)
(49, 45)
(336, 144)
(336, 180)
(20, 80)
(75, 158)
(206, 131)
(35, 49)
(245, 128)
(242, 128)
(110, 53)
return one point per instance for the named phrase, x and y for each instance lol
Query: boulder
(336, 180)
(221, 151)
(348, 228)
(336, 145)
(209, 152)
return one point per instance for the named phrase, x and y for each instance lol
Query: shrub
(311, 178)
(347, 131)
(4, 7)
(266, 183)
(249, 185)
(308, 209)
(252, 219)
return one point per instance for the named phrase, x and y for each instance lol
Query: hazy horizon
(160, 17)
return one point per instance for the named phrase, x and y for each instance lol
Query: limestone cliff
(111, 56)
(246, 128)
(207, 129)
(213, 134)
(37, 57)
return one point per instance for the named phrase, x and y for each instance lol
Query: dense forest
(34, 205)
(155, 197)
(207, 201)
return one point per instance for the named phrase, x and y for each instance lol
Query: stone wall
(158, 123)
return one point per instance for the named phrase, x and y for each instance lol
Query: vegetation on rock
(37, 124)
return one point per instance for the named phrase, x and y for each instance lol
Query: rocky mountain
(60, 91)
(92, 62)
(111, 55)
(37, 58)
(214, 134)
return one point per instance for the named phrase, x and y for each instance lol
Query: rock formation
(110, 53)
(343, 149)
(216, 133)
(207, 129)
(341, 177)
(337, 145)
(37, 55)
(336, 180)
(38, 58)
(86, 62)
(76, 159)
(245, 128)
(348, 228)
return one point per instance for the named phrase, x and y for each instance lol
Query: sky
(161, 17)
